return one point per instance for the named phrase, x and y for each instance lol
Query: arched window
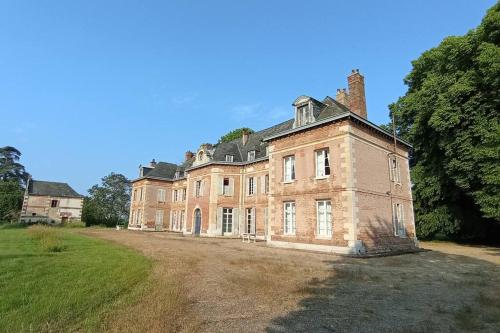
(200, 156)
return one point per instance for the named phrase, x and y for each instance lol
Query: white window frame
(176, 195)
(184, 194)
(289, 224)
(226, 188)
(251, 155)
(398, 220)
(159, 217)
(322, 158)
(289, 169)
(227, 220)
(324, 225)
(161, 195)
(251, 186)
(198, 188)
(304, 115)
(394, 169)
(229, 158)
(141, 194)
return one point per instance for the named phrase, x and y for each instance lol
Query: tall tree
(108, 203)
(451, 115)
(235, 134)
(10, 168)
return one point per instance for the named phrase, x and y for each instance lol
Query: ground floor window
(324, 217)
(227, 220)
(159, 217)
(289, 217)
(398, 220)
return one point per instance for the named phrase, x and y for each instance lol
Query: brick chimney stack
(342, 97)
(244, 137)
(357, 99)
(189, 155)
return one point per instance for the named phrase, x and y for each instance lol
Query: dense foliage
(235, 134)
(108, 203)
(451, 115)
(13, 178)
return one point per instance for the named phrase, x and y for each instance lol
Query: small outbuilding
(51, 202)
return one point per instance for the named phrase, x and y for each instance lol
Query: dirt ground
(230, 286)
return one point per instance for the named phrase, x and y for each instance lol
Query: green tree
(10, 168)
(108, 204)
(235, 134)
(451, 115)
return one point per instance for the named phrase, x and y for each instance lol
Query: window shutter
(398, 172)
(320, 163)
(171, 221)
(402, 221)
(391, 176)
(236, 219)
(231, 187)
(252, 227)
(221, 185)
(263, 184)
(202, 187)
(394, 219)
(193, 194)
(219, 221)
(247, 185)
(254, 184)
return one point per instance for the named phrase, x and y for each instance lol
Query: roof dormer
(304, 108)
(204, 154)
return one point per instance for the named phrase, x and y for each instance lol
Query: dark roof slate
(161, 170)
(53, 189)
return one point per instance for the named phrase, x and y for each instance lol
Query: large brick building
(326, 180)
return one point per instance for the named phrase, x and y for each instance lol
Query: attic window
(251, 155)
(177, 174)
(200, 156)
(304, 116)
(229, 158)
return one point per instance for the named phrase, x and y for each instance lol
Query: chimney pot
(152, 164)
(342, 97)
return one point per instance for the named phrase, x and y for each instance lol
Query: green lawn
(71, 290)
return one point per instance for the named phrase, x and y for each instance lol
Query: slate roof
(53, 189)
(324, 110)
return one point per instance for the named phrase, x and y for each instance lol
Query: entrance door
(197, 222)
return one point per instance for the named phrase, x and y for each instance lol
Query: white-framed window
(324, 218)
(181, 220)
(200, 156)
(227, 220)
(398, 220)
(266, 184)
(132, 218)
(304, 115)
(394, 170)
(229, 158)
(138, 217)
(251, 186)
(322, 163)
(177, 174)
(141, 194)
(225, 186)
(250, 221)
(267, 150)
(176, 195)
(183, 194)
(251, 155)
(198, 188)
(289, 168)
(161, 195)
(134, 196)
(289, 218)
(159, 217)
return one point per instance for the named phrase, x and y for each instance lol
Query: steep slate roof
(53, 189)
(327, 109)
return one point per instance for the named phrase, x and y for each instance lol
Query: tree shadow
(418, 292)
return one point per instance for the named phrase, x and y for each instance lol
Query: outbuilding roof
(53, 189)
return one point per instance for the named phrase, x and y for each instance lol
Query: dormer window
(304, 115)
(200, 156)
(229, 158)
(251, 155)
(177, 174)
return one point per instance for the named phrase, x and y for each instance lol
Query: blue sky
(91, 87)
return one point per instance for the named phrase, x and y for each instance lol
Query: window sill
(320, 237)
(289, 235)
(322, 177)
(289, 181)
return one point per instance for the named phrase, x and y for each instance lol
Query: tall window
(394, 169)
(225, 186)
(176, 195)
(251, 155)
(251, 186)
(161, 195)
(227, 220)
(229, 158)
(138, 217)
(322, 163)
(398, 220)
(134, 196)
(159, 217)
(289, 168)
(141, 194)
(198, 188)
(324, 217)
(181, 220)
(266, 183)
(289, 217)
(183, 194)
(250, 221)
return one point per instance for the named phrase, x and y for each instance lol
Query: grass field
(54, 280)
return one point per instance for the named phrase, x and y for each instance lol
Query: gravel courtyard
(225, 285)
